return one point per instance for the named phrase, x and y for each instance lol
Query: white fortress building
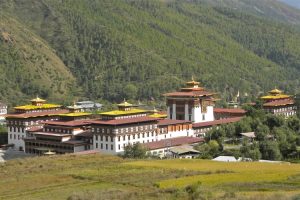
(28, 116)
(192, 103)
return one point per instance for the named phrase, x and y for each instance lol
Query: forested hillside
(28, 67)
(141, 49)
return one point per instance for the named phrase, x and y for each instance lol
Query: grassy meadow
(76, 177)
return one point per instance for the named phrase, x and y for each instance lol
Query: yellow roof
(33, 107)
(74, 107)
(78, 114)
(124, 112)
(125, 104)
(157, 115)
(275, 91)
(37, 99)
(281, 96)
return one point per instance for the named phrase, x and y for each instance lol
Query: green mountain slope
(140, 49)
(270, 9)
(29, 66)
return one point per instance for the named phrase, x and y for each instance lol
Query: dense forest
(110, 50)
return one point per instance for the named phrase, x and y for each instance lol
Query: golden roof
(275, 91)
(124, 112)
(78, 114)
(192, 82)
(34, 107)
(37, 99)
(158, 115)
(275, 94)
(125, 104)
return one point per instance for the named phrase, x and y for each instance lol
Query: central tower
(191, 103)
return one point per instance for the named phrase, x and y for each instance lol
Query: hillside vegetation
(28, 66)
(141, 49)
(95, 177)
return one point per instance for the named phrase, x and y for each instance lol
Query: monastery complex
(44, 128)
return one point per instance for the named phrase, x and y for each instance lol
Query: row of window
(26, 123)
(16, 129)
(123, 138)
(36, 144)
(57, 130)
(16, 136)
(123, 130)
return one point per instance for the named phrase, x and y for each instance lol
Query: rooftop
(124, 121)
(37, 114)
(36, 107)
(217, 122)
(230, 110)
(190, 94)
(125, 104)
(249, 134)
(172, 142)
(158, 115)
(77, 114)
(37, 99)
(72, 123)
(124, 112)
(275, 94)
(184, 150)
(281, 102)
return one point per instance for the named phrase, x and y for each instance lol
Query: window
(133, 136)
(112, 147)
(96, 137)
(124, 137)
(96, 145)
(119, 147)
(119, 138)
(106, 146)
(111, 139)
(106, 139)
(101, 145)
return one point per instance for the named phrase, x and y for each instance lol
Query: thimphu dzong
(47, 128)
(278, 103)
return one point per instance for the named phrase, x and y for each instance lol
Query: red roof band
(172, 142)
(217, 122)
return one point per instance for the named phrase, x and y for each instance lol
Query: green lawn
(108, 177)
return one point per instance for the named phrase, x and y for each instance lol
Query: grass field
(106, 177)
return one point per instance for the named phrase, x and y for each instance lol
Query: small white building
(88, 106)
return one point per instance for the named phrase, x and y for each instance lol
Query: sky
(293, 3)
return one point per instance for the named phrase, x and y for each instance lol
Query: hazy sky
(293, 3)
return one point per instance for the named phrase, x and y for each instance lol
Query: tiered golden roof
(275, 94)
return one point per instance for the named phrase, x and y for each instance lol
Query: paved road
(11, 154)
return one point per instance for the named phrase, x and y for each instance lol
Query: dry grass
(108, 177)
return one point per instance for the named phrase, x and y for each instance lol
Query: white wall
(146, 139)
